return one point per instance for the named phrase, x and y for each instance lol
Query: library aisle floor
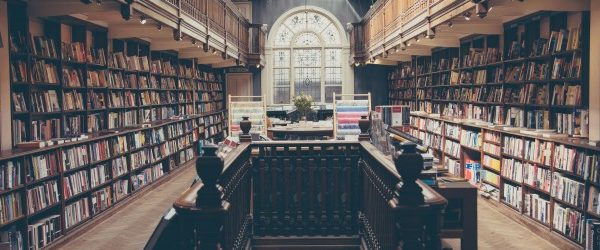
(130, 229)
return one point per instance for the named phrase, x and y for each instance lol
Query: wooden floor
(131, 227)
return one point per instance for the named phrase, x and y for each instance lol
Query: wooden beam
(439, 42)
(44, 8)
(225, 64)
(137, 30)
(210, 60)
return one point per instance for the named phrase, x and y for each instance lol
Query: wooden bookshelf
(513, 79)
(544, 158)
(146, 112)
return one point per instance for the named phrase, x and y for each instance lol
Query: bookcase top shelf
(570, 141)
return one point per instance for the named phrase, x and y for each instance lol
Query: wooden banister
(311, 188)
(212, 221)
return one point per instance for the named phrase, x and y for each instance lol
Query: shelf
(569, 205)
(536, 189)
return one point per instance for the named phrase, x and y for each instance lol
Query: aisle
(497, 231)
(131, 227)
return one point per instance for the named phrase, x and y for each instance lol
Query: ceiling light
(396, 49)
(467, 15)
(403, 47)
(98, 2)
(430, 33)
(450, 24)
(159, 26)
(143, 20)
(417, 38)
(258, 66)
(194, 41)
(482, 9)
(214, 51)
(356, 64)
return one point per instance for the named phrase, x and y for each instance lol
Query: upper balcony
(212, 31)
(394, 30)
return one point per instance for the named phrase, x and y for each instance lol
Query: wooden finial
(409, 165)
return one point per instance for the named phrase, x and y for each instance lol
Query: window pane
(281, 58)
(281, 77)
(329, 92)
(308, 81)
(317, 21)
(283, 36)
(307, 57)
(333, 58)
(331, 35)
(296, 22)
(308, 39)
(333, 76)
(281, 95)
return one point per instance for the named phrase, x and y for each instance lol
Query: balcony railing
(333, 189)
(221, 24)
(388, 20)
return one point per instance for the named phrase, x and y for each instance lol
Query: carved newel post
(408, 203)
(210, 208)
(364, 124)
(245, 126)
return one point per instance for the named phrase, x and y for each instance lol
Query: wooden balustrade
(388, 19)
(396, 214)
(216, 211)
(224, 19)
(310, 188)
(305, 188)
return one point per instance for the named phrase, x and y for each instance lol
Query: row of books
(569, 222)
(513, 146)
(491, 149)
(537, 207)
(537, 177)
(75, 184)
(42, 196)
(470, 138)
(512, 169)
(491, 162)
(481, 56)
(568, 190)
(76, 212)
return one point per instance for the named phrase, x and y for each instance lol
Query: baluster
(312, 196)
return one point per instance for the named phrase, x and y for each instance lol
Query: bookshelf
(532, 77)
(511, 91)
(522, 170)
(95, 121)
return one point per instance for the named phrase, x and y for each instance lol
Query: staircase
(305, 195)
(297, 243)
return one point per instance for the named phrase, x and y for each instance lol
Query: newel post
(211, 209)
(410, 210)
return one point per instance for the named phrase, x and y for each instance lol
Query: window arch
(307, 56)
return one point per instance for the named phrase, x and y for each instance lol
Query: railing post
(210, 211)
(411, 214)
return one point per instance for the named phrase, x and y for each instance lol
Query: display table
(299, 133)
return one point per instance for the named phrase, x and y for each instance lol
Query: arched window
(307, 56)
